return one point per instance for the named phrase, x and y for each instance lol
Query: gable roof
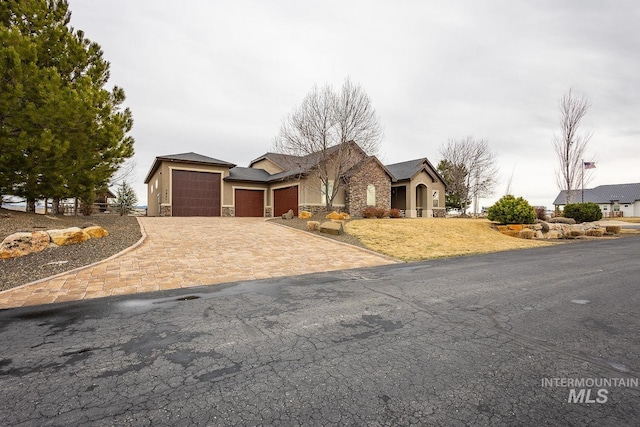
(404, 171)
(240, 174)
(362, 162)
(191, 158)
(279, 159)
(603, 194)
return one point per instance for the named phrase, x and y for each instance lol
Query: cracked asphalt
(460, 341)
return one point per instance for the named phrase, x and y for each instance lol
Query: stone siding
(165, 210)
(356, 192)
(228, 211)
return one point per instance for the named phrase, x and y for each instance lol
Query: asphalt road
(481, 340)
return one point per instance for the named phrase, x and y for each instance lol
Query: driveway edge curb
(369, 251)
(75, 270)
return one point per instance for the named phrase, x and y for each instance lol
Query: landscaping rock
(96, 232)
(333, 215)
(613, 229)
(335, 228)
(595, 232)
(68, 236)
(526, 233)
(20, 244)
(313, 225)
(305, 215)
(288, 215)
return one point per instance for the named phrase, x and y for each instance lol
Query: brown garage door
(285, 199)
(195, 193)
(249, 203)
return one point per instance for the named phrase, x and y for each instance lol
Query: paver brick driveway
(185, 252)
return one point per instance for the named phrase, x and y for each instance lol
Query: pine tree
(62, 134)
(126, 199)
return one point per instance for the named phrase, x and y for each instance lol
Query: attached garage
(249, 203)
(195, 193)
(285, 199)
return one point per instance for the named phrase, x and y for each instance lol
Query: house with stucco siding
(191, 184)
(617, 200)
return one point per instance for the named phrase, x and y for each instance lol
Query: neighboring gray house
(614, 200)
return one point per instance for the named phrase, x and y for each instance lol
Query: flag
(589, 165)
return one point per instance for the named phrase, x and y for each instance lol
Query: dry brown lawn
(425, 238)
(631, 220)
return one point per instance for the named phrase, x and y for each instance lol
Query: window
(156, 182)
(371, 195)
(605, 208)
(324, 194)
(436, 199)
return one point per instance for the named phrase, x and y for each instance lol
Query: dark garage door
(285, 199)
(195, 193)
(249, 203)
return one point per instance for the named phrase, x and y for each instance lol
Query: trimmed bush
(541, 213)
(545, 226)
(562, 220)
(373, 212)
(395, 213)
(583, 212)
(512, 210)
(613, 229)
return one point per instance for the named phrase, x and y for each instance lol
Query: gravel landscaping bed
(123, 232)
(301, 224)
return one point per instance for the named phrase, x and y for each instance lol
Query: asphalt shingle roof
(191, 157)
(248, 175)
(603, 194)
(196, 158)
(405, 170)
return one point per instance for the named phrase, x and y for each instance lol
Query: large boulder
(335, 228)
(288, 215)
(333, 215)
(20, 244)
(68, 236)
(305, 215)
(313, 225)
(96, 232)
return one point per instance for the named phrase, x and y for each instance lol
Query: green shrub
(512, 210)
(583, 212)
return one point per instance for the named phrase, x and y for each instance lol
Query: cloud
(218, 77)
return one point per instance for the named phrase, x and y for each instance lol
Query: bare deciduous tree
(476, 169)
(569, 145)
(318, 134)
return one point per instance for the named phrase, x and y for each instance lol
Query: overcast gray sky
(217, 77)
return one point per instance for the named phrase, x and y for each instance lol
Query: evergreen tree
(457, 190)
(62, 134)
(126, 199)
